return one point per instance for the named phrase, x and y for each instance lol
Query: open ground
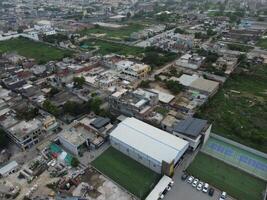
(130, 174)
(41, 52)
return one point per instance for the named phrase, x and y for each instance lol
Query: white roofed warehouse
(152, 147)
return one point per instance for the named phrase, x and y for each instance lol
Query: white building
(9, 169)
(152, 147)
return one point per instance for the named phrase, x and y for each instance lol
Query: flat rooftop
(24, 128)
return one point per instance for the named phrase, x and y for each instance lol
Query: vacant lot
(235, 182)
(106, 47)
(41, 52)
(133, 176)
(151, 56)
(239, 110)
(122, 33)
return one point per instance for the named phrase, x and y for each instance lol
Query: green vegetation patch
(227, 178)
(41, 52)
(133, 176)
(122, 33)
(151, 56)
(161, 110)
(239, 47)
(239, 110)
(262, 43)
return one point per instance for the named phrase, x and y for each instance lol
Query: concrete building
(9, 169)
(83, 135)
(200, 84)
(152, 147)
(26, 133)
(191, 61)
(136, 103)
(193, 130)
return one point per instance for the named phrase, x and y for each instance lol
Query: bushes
(174, 86)
(50, 107)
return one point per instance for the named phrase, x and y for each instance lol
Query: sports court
(234, 155)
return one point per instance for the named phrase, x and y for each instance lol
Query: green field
(235, 182)
(122, 33)
(41, 52)
(106, 47)
(262, 43)
(136, 178)
(239, 110)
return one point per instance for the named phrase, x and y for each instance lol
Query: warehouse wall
(136, 155)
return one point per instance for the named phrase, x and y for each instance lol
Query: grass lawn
(122, 33)
(225, 177)
(130, 174)
(106, 47)
(41, 52)
(262, 43)
(239, 110)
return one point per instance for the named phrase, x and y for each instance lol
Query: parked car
(223, 196)
(184, 176)
(200, 185)
(195, 182)
(211, 192)
(205, 188)
(190, 179)
(171, 183)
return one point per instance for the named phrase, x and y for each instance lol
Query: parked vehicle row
(201, 186)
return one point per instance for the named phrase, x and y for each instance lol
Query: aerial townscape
(133, 99)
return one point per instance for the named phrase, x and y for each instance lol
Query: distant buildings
(152, 147)
(191, 61)
(200, 84)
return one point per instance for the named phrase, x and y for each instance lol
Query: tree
(210, 32)
(74, 108)
(79, 81)
(181, 31)
(144, 84)
(174, 86)
(50, 107)
(94, 105)
(3, 139)
(129, 14)
(75, 162)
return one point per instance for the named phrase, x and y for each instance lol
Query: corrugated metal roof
(190, 126)
(149, 140)
(10, 166)
(100, 122)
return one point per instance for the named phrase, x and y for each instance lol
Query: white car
(190, 179)
(195, 182)
(171, 183)
(205, 188)
(223, 196)
(200, 185)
